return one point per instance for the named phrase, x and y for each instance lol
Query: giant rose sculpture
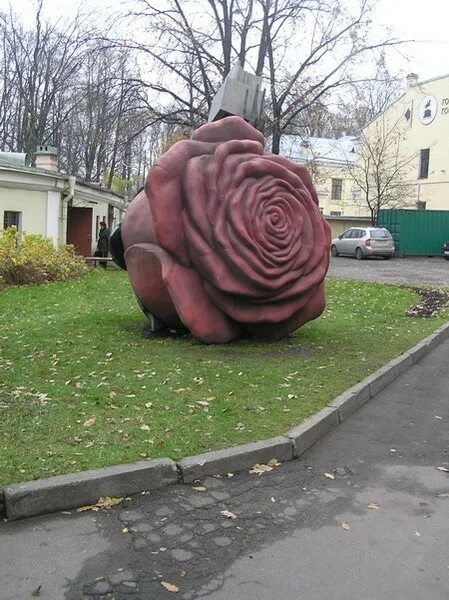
(227, 240)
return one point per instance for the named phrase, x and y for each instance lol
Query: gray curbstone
(2, 506)
(434, 340)
(401, 364)
(351, 400)
(429, 343)
(419, 351)
(69, 491)
(309, 432)
(237, 458)
(380, 379)
(443, 332)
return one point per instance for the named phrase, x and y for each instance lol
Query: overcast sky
(424, 20)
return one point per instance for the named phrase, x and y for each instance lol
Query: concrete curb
(70, 491)
(236, 458)
(64, 492)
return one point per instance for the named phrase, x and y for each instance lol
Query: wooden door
(79, 229)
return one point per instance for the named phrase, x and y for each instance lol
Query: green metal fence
(416, 232)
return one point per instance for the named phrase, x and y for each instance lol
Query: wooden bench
(96, 259)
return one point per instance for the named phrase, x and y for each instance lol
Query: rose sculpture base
(226, 240)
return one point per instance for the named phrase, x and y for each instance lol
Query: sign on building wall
(428, 109)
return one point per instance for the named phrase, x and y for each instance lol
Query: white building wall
(32, 204)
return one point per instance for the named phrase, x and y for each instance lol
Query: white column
(52, 221)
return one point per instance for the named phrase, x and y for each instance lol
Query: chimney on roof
(412, 79)
(46, 157)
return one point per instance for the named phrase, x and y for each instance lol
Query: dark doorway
(79, 229)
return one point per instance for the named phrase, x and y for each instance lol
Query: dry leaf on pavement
(260, 469)
(200, 488)
(329, 475)
(92, 507)
(171, 587)
(443, 469)
(373, 506)
(228, 514)
(345, 526)
(103, 502)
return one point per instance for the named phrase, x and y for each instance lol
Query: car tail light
(367, 242)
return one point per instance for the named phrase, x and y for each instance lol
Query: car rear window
(379, 234)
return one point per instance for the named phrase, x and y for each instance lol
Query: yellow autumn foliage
(34, 260)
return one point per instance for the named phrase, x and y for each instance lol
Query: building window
(12, 218)
(335, 213)
(337, 185)
(421, 205)
(424, 163)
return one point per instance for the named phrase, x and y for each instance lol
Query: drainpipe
(67, 195)
(70, 191)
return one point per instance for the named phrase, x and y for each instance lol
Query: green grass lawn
(82, 385)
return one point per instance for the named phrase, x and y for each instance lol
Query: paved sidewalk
(377, 530)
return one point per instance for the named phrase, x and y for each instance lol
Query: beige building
(415, 129)
(41, 200)
(329, 162)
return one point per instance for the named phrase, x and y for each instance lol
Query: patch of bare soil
(432, 302)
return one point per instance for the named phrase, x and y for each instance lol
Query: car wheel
(446, 258)
(334, 250)
(387, 257)
(358, 254)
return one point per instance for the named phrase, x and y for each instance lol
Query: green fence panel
(416, 232)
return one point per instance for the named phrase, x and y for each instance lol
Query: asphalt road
(411, 270)
(374, 528)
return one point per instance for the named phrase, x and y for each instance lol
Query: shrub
(35, 260)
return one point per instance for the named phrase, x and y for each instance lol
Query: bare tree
(381, 168)
(42, 65)
(304, 49)
(59, 86)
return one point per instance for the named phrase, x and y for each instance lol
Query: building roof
(14, 162)
(322, 150)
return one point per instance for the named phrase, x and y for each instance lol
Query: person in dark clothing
(103, 243)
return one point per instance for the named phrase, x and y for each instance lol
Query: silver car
(363, 242)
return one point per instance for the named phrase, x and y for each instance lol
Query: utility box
(240, 95)
(416, 232)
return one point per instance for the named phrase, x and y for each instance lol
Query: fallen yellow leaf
(260, 469)
(105, 502)
(91, 507)
(171, 587)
